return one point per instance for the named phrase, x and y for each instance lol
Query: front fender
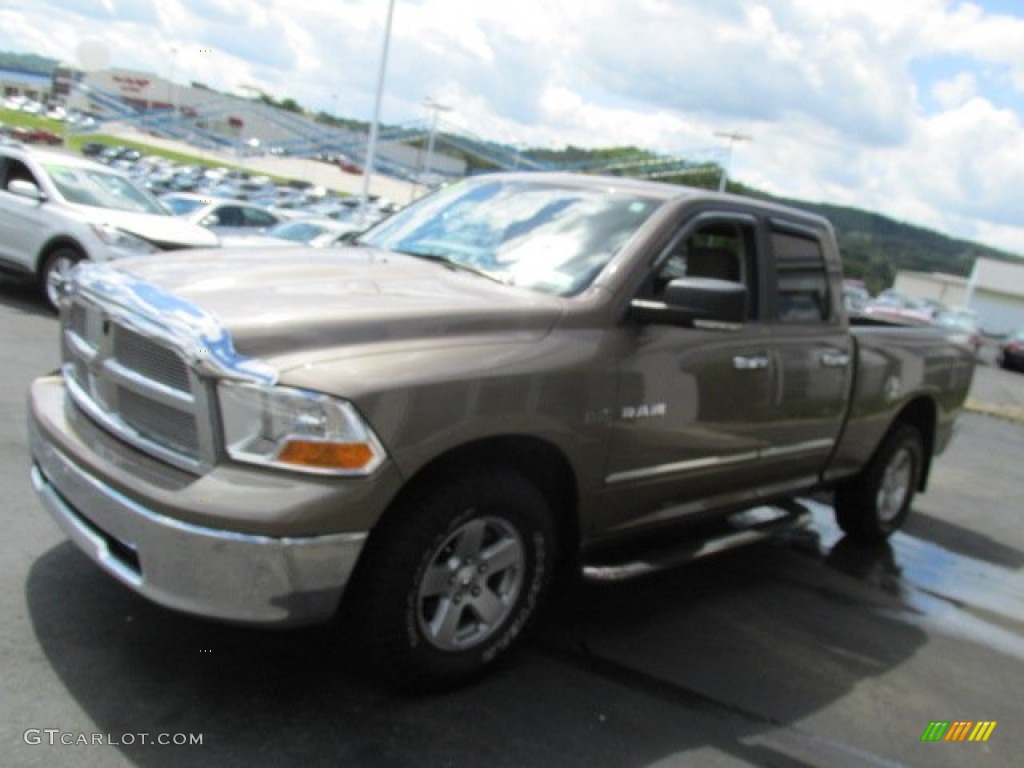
(424, 402)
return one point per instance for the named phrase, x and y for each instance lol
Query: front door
(695, 405)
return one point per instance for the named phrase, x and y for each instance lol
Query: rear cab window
(801, 281)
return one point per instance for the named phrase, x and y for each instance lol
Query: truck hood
(167, 232)
(295, 305)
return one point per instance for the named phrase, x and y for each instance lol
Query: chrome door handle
(749, 362)
(835, 359)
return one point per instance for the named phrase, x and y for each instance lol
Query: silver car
(57, 209)
(314, 232)
(223, 216)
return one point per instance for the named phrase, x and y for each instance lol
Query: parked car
(963, 328)
(855, 296)
(225, 217)
(339, 208)
(895, 306)
(314, 232)
(110, 153)
(1011, 352)
(57, 209)
(526, 375)
(93, 148)
(36, 136)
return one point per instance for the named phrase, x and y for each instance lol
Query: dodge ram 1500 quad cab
(517, 373)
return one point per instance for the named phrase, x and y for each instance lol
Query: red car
(36, 136)
(1011, 352)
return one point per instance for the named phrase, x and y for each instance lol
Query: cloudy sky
(913, 108)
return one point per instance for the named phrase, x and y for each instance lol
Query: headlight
(295, 429)
(129, 245)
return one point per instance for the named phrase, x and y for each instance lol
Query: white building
(995, 290)
(29, 85)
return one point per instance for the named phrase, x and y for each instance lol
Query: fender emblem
(634, 412)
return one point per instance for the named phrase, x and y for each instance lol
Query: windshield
(960, 322)
(297, 231)
(181, 206)
(99, 189)
(544, 236)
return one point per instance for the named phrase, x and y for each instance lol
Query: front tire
(55, 272)
(452, 576)
(872, 506)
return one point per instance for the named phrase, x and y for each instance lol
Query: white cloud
(833, 92)
(956, 91)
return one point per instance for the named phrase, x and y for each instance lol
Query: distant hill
(27, 62)
(874, 247)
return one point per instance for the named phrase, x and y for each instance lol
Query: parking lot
(800, 651)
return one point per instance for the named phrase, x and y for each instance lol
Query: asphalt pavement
(800, 651)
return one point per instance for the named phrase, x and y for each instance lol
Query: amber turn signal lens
(309, 453)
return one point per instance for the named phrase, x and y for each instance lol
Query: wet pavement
(803, 650)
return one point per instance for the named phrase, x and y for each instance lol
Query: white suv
(57, 209)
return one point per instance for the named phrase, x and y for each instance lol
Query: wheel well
(920, 413)
(55, 245)
(536, 459)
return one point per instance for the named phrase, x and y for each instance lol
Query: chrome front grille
(159, 422)
(77, 319)
(137, 385)
(140, 354)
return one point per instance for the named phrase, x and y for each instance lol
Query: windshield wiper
(456, 265)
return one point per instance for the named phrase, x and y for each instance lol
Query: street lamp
(170, 83)
(371, 145)
(733, 137)
(436, 108)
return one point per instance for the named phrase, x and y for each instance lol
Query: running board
(740, 529)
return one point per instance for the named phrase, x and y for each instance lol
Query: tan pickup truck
(517, 374)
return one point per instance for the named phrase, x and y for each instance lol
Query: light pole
(171, 90)
(371, 145)
(437, 108)
(733, 137)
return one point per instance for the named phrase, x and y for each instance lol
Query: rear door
(812, 354)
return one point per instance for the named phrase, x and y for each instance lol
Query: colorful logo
(958, 730)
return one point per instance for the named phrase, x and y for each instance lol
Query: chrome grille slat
(158, 422)
(77, 320)
(149, 359)
(139, 389)
(154, 390)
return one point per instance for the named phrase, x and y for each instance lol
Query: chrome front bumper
(213, 573)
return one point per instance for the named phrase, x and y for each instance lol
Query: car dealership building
(994, 290)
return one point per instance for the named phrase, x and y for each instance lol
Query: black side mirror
(691, 299)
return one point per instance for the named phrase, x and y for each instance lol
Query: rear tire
(451, 578)
(55, 272)
(874, 504)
